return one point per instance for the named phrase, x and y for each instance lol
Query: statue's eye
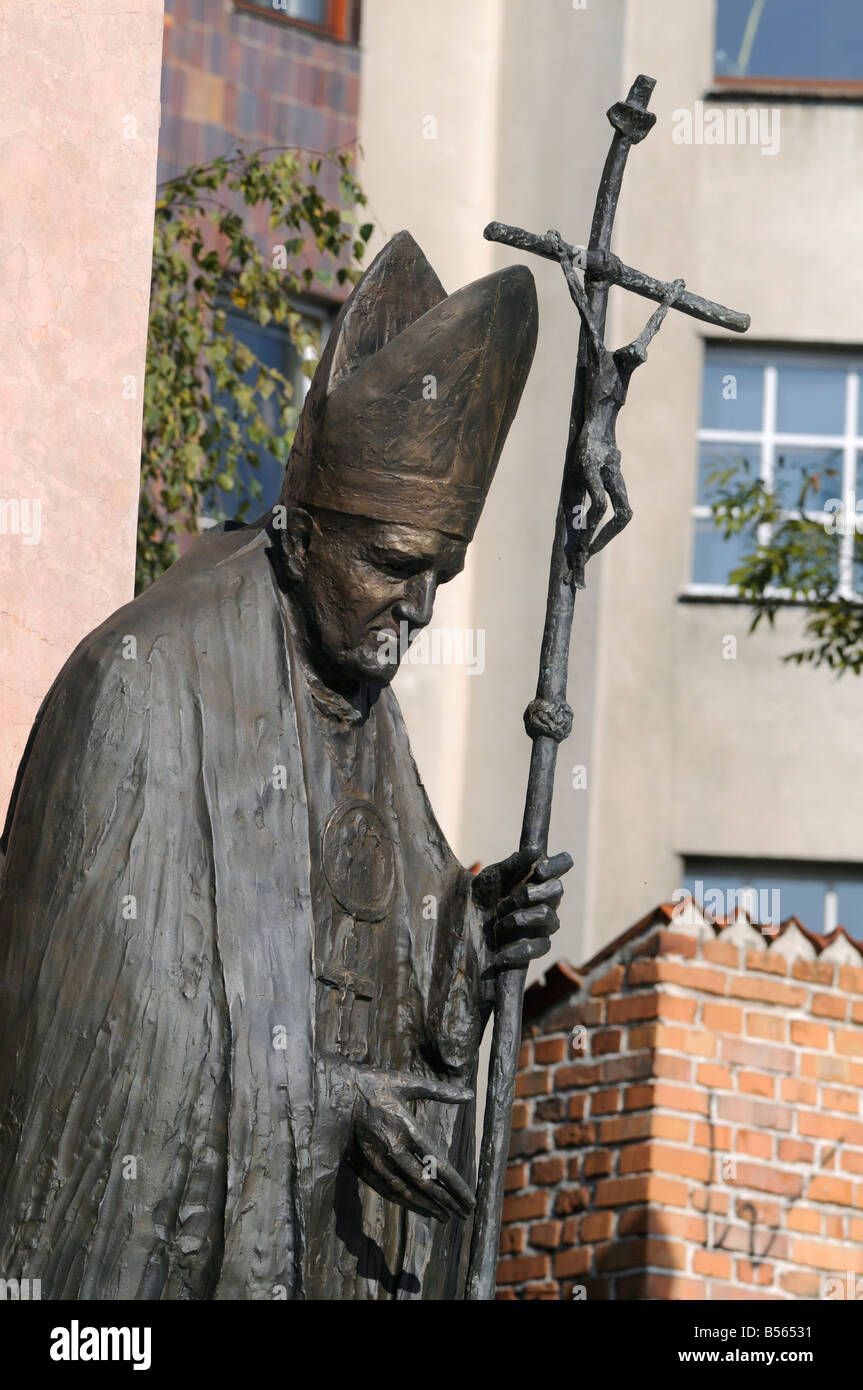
(398, 566)
(399, 569)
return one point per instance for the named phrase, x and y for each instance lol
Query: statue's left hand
(521, 893)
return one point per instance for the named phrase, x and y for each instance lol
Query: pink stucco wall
(78, 137)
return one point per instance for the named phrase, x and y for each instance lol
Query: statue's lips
(384, 636)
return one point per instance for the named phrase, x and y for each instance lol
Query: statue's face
(358, 583)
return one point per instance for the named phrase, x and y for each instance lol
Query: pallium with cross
(591, 477)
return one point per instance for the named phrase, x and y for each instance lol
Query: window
(338, 18)
(273, 347)
(820, 896)
(790, 43)
(788, 415)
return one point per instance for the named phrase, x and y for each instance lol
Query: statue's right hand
(394, 1154)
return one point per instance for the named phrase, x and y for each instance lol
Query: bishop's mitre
(410, 406)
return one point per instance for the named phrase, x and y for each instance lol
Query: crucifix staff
(591, 467)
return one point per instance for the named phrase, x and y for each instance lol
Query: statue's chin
(376, 672)
(362, 667)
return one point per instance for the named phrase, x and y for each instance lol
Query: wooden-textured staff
(548, 719)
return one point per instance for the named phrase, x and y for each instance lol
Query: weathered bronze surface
(243, 977)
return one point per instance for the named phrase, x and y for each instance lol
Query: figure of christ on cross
(352, 988)
(607, 379)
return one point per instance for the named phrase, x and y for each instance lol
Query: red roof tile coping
(562, 979)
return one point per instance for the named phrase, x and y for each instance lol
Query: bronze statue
(243, 977)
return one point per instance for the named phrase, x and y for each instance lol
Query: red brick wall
(688, 1120)
(230, 76)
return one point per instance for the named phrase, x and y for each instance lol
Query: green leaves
(794, 556)
(209, 252)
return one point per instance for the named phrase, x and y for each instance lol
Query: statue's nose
(416, 606)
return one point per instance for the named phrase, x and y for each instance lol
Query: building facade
(700, 1135)
(699, 760)
(697, 757)
(243, 72)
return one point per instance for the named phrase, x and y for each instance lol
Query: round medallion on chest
(359, 860)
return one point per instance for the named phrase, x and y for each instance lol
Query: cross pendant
(351, 986)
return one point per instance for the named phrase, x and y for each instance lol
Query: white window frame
(768, 438)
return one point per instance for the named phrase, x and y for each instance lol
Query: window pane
(732, 393)
(719, 458)
(776, 894)
(716, 557)
(811, 400)
(796, 897)
(793, 466)
(850, 906)
(790, 38)
(274, 348)
(853, 522)
(312, 11)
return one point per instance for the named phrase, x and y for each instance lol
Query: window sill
(723, 593)
(709, 593)
(785, 90)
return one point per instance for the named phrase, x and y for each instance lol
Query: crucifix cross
(604, 265)
(596, 474)
(351, 986)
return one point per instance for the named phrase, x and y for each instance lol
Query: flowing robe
(183, 967)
